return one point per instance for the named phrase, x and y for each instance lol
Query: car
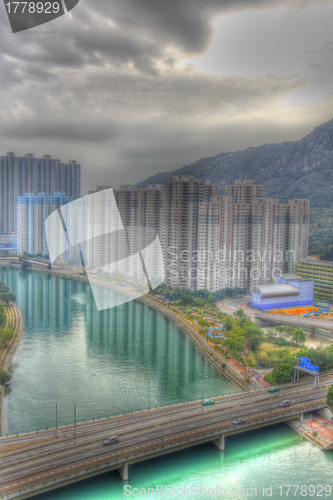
(208, 402)
(284, 403)
(239, 421)
(273, 389)
(111, 440)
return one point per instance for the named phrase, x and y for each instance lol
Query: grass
(270, 345)
(252, 356)
(269, 378)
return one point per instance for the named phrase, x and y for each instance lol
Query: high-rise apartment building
(179, 227)
(210, 241)
(32, 212)
(244, 190)
(246, 240)
(26, 174)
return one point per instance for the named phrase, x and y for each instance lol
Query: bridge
(16, 260)
(40, 462)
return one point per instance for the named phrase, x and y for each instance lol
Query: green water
(272, 457)
(114, 362)
(111, 362)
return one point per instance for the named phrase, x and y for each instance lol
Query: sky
(130, 88)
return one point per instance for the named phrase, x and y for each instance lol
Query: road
(233, 305)
(141, 433)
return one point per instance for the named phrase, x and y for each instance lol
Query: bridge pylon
(219, 442)
(123, 471)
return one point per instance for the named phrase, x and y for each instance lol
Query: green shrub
(4, 376)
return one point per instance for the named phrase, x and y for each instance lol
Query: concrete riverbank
(15, 321)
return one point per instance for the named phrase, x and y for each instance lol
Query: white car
(239, 421)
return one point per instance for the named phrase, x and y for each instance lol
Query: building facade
(209, 241)
(246, 239)
(321, 271)
(179, 230)
(32, 212)
(26, 174)
(292, 291)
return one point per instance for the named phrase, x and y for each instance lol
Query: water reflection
(110, 361)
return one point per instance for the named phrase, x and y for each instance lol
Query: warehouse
(289, 290)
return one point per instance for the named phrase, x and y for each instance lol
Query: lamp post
(75, 405)
(203, 382)
(149, 395)
(56, 427)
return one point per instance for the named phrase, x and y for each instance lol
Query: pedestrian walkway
(311, 434)
(322, 425)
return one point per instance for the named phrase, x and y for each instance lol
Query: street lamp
(150, 382)
(203, 381)
(75, 405)
(56, 427)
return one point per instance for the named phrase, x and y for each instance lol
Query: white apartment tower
(32, 212)
(179, 230)
(247, 239)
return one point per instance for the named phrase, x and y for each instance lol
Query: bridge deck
(145, 435)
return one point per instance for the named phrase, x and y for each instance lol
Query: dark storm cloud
(108, 83)
(79, 132)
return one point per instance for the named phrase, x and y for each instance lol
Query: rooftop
(276, 290)
(291, 276)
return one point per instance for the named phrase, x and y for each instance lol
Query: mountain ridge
(289, 169)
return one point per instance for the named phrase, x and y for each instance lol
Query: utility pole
(75, 405)
(56, 426)
(203, 381)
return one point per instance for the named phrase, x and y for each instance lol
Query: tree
(3, 315)
(271, 334)
(7, 297)
(285, 330)
(239, 314)
(4, 376)
(202, 321)
(329, 399)
(299, 336)
(228, 325)
(6, 335)
(253, 334)
(254, 340)
(282, 372)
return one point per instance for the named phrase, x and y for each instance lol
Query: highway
(142, 434)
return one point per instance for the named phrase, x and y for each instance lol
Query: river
(125, 359)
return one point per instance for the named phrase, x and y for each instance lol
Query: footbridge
(43, 461)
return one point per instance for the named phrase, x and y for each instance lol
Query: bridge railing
(165, 445)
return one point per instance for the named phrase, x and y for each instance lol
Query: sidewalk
(317, 424)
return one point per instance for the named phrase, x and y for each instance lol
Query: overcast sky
(130, 88)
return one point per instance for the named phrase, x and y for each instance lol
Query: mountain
(298, 169)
